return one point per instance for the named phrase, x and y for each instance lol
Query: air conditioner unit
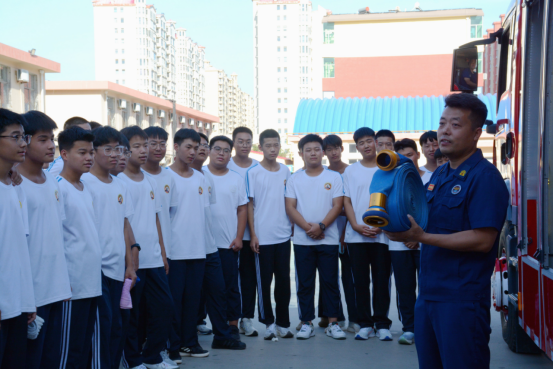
(22, 76)
(161, 114)
(136, 107)
(149, 111)
(122, 104)
(200, 124)
(191, 122)
(183, 120)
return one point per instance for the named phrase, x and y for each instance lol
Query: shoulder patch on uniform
(431, 187)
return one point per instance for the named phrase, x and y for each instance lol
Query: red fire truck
(523, 152)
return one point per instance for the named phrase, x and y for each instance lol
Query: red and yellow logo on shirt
(120, 199)
(328, 186)
(167, 189)
(152, 195)
(200, 190)
(57, 196)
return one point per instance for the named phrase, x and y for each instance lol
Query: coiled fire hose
(396, 190)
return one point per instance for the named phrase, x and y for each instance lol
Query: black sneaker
(229, 344)
(196, 351)
(234, 332)
(175, 356)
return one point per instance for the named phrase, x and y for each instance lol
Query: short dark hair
(385, 133)
(105, 135)
(8, 118)
(478, 110)
(124, 141)
(221, 138)
(202, 135)
(404, 144)
(268, 133)
(73, 121)
(438, 154)
(309, 138)
(362, 132)
(238, 130)
(132, 131)
(37, 121)
(68, 137)
(94, 125)
(332, 141)
(428, 136)
(184, 133)
(157, 132)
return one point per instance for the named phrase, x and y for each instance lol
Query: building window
(122, 30)
(278, 49)
(279, 101)
(280, 131)
(117, 71)
(476, 27)
(116, 30)
(284, 7)
(278, 38)
(285, 49)
(117, 81)
(278, 69)
(328, 68)
(285, 90)
(122, 51)
(115, 10)
(123, 62)
(286, 100)
(285, 120)
(328, 30)
(352, 149)
(279, 110)
(278, 90)
(278, 7)
(284, 17)
(279, 121)
(278, 17)
(285, 68)
(116, 61)
(480, 53)
(285, 110)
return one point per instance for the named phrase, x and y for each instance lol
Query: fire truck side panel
(531, 298)
(547, 308)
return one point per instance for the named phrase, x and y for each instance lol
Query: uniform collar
(462, 170)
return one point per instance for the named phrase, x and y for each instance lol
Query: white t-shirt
(426, 170)
(55, 167)
(165, 188)
(147, 204)
(267, 189)
(357, 183)
(314, 197)
(16, 279)
(210, 247)
(231, 194)
(82, 245)
(112, 205)
(188, 230)
(399, 246)
(242, 171)
(46, 251)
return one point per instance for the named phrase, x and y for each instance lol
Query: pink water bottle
(126, 302)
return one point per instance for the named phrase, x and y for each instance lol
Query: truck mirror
(491, 129)
(464, 75)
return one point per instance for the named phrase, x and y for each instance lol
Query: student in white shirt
(112, 208)
(270, 231)
(385, 140)
(123, 159)
(153, 267)
(46, 251)
(17, 302)
(406, 258)
(56, 166)
(367, 246)
(242, 138)
(229, 217)
(314, 199)
(82, 247)
(429, 145)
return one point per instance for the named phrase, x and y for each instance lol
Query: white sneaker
(246, 327)
(307, 331)
(365, 333)
(171, 363)
(270, 332)
(384, 335)
(162, 365)
(353, 327)
(203, 329)
(333, 330)
(343, 324)
(407, 338)
(284, 332)
(141, 366)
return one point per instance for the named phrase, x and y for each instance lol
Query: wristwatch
(323, 227)
(136, 245)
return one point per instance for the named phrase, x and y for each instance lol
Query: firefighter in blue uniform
(468, 202)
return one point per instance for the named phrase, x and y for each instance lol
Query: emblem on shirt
(200, 190)
(57, 196)
(152, 195)
(328, 186)
(463, 173)
(167, 189)
(456, 189)
(209, 190)
(120, 199)
(430, 187)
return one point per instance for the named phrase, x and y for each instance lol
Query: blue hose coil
(396, 190)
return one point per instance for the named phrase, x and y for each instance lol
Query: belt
(396, 190)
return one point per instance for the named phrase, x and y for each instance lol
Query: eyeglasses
(205, 146)
(17, 138)
(218, 149)
(244, 143)
(118, 150)
(127, 154)
(159, 145)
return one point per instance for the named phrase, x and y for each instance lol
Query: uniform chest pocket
(429, 196)
(452, 213)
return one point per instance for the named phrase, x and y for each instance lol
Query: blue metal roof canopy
(398, 114)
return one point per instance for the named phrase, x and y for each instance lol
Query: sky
(62, 30)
